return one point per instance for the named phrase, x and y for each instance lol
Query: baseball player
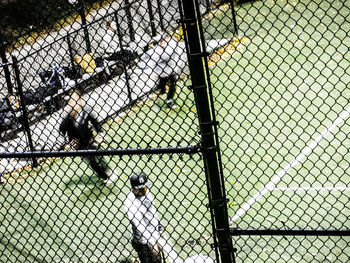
(145, 223)
(164, 58)
(76, 124)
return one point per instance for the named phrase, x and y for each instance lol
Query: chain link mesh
(85, 62)
(278, 74)
(281, 97)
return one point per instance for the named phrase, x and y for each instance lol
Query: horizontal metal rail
(289, 232)
(35, 154)
(5, 64)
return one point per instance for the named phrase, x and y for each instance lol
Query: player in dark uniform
(76, 124)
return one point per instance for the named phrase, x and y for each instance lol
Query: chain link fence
(249, 147)
(88, 104)
(282, 100)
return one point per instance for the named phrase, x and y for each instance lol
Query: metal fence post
(5, 63)
(235, 26)
(129, 18)
(70, 50)
(217, 198)
(159, 7)
(24, 109)
(127, 77)
(83, 22)
(151, 17)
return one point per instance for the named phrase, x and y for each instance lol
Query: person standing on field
(76, 124)
(145, 223)
(163, 58)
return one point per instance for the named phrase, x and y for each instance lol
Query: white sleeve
(137, 220)
(153, 209)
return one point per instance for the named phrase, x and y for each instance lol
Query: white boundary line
(327, 188)
(271, 185)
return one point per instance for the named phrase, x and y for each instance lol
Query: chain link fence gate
(279, 90)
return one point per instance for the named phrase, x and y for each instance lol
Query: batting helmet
(139, 180)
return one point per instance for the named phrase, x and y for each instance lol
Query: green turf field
(62, 212)
(284, 127)
(282, 100)
(287, 99)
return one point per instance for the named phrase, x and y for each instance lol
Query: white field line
(271, 185)
(327, 188)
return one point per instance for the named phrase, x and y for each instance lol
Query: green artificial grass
(283, 86)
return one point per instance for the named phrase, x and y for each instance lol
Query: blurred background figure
(110, 41)
(163, 59)
(76, 124)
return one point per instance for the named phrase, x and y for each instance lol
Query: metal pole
(160, 15)
(83, 22)
(127, 77)
(5, 63)
(24, 109)
(151, 17)
(71, 56)
(129, 18)
(217, 198)
(235, 26)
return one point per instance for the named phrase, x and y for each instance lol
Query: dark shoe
(161, 91)
(171, 105)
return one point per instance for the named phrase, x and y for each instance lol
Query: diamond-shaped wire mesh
(279, 72)
(281, 98)
(98, 76)
(74, 217)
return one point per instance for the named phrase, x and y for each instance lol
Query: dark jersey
(79, 128)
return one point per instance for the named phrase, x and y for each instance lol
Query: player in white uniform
(164, 59)
(145, 223)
